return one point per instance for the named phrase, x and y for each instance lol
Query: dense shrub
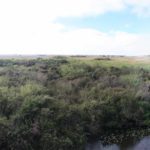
(60, 103)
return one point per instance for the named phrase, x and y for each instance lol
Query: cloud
(89, 41)
(139, 7)
(58, 40)
(32, 10)
(28, 27)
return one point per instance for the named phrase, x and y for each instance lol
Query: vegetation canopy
(59, 103)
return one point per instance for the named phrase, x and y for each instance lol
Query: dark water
(130, 144)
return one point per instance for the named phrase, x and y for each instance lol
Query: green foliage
(60, 103)
(30, 89)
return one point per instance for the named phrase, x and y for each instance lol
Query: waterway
(127, 144)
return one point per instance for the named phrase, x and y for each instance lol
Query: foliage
(62, 102)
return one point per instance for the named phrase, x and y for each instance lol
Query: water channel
(128, 144)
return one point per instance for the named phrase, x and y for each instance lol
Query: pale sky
(120, 27)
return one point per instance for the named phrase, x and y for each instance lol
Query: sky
(75, 27)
